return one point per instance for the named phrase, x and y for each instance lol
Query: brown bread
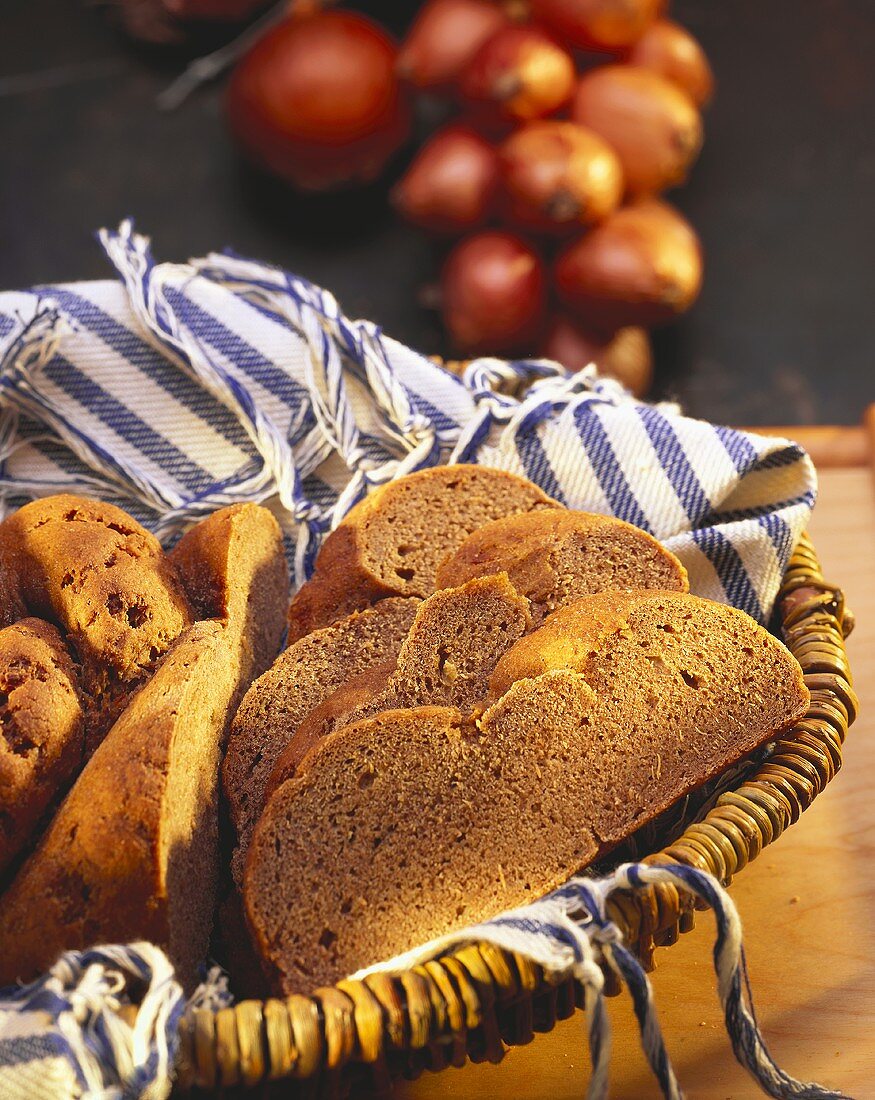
(233, 567)
(277, 703)
(392, 543)
(42, 740)
(454, 644)
(132, 853)
(411, 823)
(92, 570)
(360, 697)
(555, 555)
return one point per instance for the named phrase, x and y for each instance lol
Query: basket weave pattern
(474, 1002)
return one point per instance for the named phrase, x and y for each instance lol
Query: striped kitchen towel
(186, 387)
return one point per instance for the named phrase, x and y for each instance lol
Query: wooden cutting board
(808, 903)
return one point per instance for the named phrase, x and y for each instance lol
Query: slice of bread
(411, 823)
(361, 696)
(300, 679)
(132, 853)
(233, 567)
(554, 556)
(93, 571)
(392, 543)
(42, 741)
(457, 638)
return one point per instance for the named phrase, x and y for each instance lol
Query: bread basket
(476, 1002)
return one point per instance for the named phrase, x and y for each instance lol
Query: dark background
(782, 196)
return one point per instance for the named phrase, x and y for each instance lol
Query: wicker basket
(475, 1002)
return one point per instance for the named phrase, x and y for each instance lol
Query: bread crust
(233, 567)
(554, 555)
(42, 739)
(103, 579)
(132, 853)
(392, 542)
(100, 873)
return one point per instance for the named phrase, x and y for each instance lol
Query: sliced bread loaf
(393, 541)
(132, 853)
(554, 556)
(42, 742)
(300, 679)
(411, 823)
(104, 580)
(455, 641)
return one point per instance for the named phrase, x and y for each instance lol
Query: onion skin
(652, 125)
(493, 295)
(602, 25)
(518, 74)
(642, 266)
(670, 50)
(452, 184)
(317, 101)
(444, 37)
(558, 176)
(626, 355)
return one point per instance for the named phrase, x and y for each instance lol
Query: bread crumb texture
(393, 541)
(416, 821)
(299, 680)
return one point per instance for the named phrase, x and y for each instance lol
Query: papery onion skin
(558, 176)
(642, 266)
(603, 25)
(493, 295)
(452, 184)
(442, 40)
(520, 73)
(654, 127)
(317, 102)
(669, 49)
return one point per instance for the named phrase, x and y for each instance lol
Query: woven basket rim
(476, 1001)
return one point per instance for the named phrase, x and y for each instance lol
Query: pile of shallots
(571, 117)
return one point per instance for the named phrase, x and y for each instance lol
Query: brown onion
(610, 25)
(625, 356)
(670, 50)
(317, 100)
(452, 184)
(518, 74)
(654, 127)
(444, 37)
(642, 266)
(558, 176)
(493, 295)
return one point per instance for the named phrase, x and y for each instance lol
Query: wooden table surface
(808, 907)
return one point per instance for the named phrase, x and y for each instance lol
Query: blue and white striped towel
(191, 386)
(186, 387)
